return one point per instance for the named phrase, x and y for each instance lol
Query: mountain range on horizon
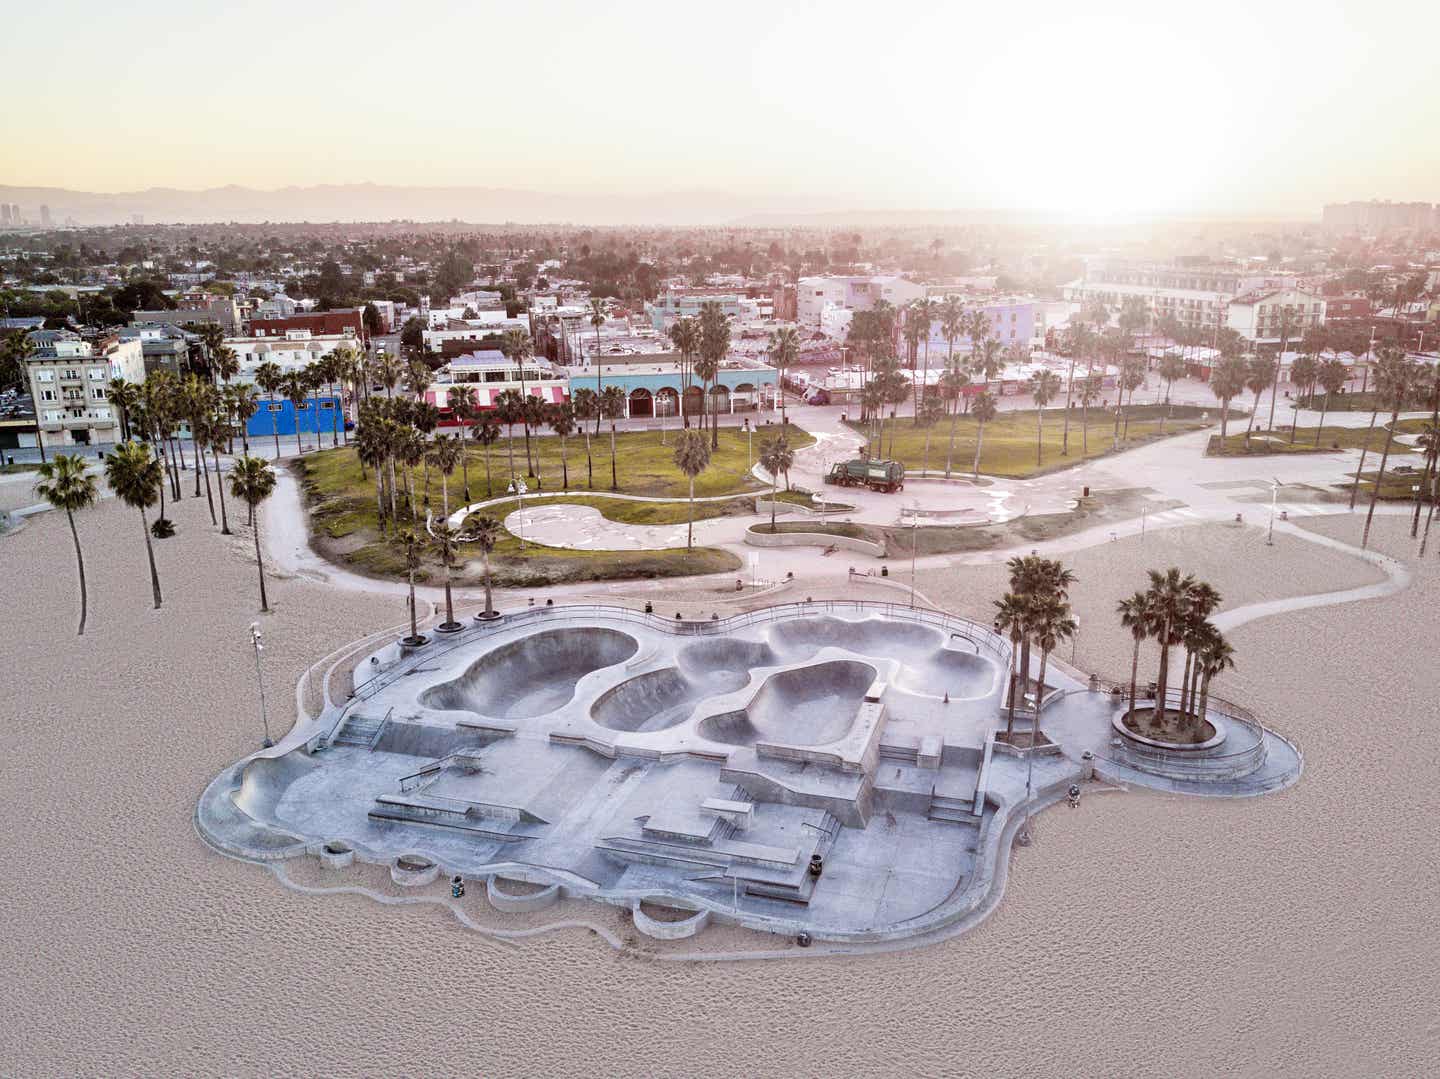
(368, 202)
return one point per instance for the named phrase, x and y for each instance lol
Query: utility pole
(255, 639)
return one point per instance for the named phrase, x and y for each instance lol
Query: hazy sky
(1261, 105)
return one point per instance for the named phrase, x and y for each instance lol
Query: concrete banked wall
(812, 539)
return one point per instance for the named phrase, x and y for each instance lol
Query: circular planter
(1118, 722)
(337, 854)
(449, 627)
(413, 870)
(667, 923)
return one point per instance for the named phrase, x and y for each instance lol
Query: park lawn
(1413, 426)
(16, 469)
(1269, 443)
(634, 513)
(1358, 402)
(1398, 486)
(1010, 439)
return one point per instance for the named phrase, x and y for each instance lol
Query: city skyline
(1119, 111)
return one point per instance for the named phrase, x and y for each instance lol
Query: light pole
(517, 487)
(1274, 494)
(914, 543)
(260, 682)
(749, 446)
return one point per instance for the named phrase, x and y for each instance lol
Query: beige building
(69, 379)
(1259, 316)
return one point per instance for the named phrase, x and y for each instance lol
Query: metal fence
(1242, 752)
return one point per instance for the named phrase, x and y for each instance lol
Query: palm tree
(216, 428)
(1287, 326)
(1081, 341)
(776, 457)
(1011, 612)
(1389, 371)
(532, 416)
(65, 484)
(1168, 599)
(1204, 600)
(1135, 616)
(387, 372)
(486, 430)
(612, 407)
(685, 335)
(270, 378)
(1400, 376)
(252, 481)
(509, 410)
(983, 409)
(1258, 376)
(1215, 657)
(784, 347)
(1172, 369)
(295, 391)
(692, 457)
(137, 479)
(587, 406)
(445, 538)
(444, 454)
(562, 422)
(413, 545)
(462, 404)
(244, 403)
(714, 347)
(485, 533)
(1044, 385)
(1227, 381)
(597, 319)
(1332, 376)
(124, 396)
(1050, 622)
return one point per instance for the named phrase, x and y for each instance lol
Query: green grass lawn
(345, 519)
(24, 466)
(1010, 439)
(820, 528)
(1267, 443)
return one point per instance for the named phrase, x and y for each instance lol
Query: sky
(1103, 108)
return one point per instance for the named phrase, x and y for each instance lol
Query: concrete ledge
(337, 855)
(520, 902)
(812, 539)
(666, 930)
(422, 874)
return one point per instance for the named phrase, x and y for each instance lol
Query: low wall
(812, 539)
(517, 902)
(664, 930)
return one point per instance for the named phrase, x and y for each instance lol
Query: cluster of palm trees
(1035, 612)
(1174, 610)
(302, 389)
(137, 474)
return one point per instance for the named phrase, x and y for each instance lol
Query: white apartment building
(1258, 316)
(69, 380)
(813, 294)
(297, 350)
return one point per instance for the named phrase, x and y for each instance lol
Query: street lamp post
(1274, 494)
(517, 487)
(749, 446)
(914, 543)
(260, 682)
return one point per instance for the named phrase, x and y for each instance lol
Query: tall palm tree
(587, 406)
(252, 481)
(1135, 616)
(387, 370)
(486, 430)
(983, 410)
(776, 457)
(413, 546)
(714, 347)
(462, 402)
(562, 422)
(784, 347)
(270, 378)
(1168, 599)
(1401, 375)
(216, 428)
(445, 538)
(532, 417)
(1011, 612)
(1287, 320)
(1215, 657)
(1050, 623)
(1172, 369)
(485, 533)
(1390, 370)
(244, 403)
(598, 315)
(137, 479)
(1081, 342)
(1044, 385)
(65, 484)
(295, 391)
(1258, 376)
(1204, 601)
(1227, 381)
(685, 335)
(692, 457)
(612, 407)
(509, 410)
(124, 396)
(1332, 376)
(444, 454)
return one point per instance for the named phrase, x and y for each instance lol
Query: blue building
(319, 414)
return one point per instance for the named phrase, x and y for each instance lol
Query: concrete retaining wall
(660, 930)
(507, 901)
(812, 539)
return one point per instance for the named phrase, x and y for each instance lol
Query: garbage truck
(887, 476)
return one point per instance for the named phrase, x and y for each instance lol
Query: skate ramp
(901, 641)
(807, 706)
(661, 699)
(962, 675)
(725, 654)
(532, 676)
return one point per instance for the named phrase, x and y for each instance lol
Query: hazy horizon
(1118, 110)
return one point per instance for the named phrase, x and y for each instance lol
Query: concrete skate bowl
(725, 654)
(532, 676)
(903, 641)
(806, 706)
(961, 675)
(661, 699)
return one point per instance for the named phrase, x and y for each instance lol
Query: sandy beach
(1140, 935)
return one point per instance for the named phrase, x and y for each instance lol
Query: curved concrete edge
(662, 930)
(412, 878)
(519, 904)
(812, 539)
(1280, 770)
(457, 517)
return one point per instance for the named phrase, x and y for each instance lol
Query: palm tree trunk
(1185, 682)
(79, 562)
(150, 553)
(414, 628)
(1364, 449)
(1039, 697)
(510, 446)
(449, 606)
(979, 441)
(589, 460)
(564, 467)
(1085, 412)
(1065, 434)
(489, 487)
(1039, 434)
(485, 560)
(614, 478)
(205, 470)
(690, 524)
(950, 450)
(200, 458)
(220, 484)
(1321, 429)
(380, 497)
(275, 428)
(1010, 711)
(1164, 673)
(260, 565)
(1134, 671)
(465, 463)
(1380, 476)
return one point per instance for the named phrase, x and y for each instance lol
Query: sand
(1141, 934)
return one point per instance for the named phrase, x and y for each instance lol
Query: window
(97, 392)
(277, 408)
(71, 373)
(97, 374)
(47, 395)
(53, 415)
(44, 376)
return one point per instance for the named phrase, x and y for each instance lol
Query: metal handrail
(1219, 758)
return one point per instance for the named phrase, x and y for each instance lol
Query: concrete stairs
(362, 731)
(952, 810)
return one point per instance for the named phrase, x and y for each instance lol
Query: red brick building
(317, 322)
(1342, 308)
